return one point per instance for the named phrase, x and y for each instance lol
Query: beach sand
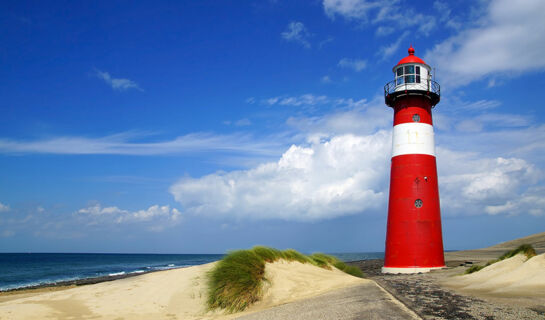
(516, 277)
(171, 294)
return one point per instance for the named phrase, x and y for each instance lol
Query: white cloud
(118, 84)
(297, 32)
(350, 9)
(243, 122)
(492, 120)
(386, 14)
(532, 202)
(341, 167)
(302, 100)
(325, 79)
(384, 31)
(470, 184)
(154, 214)
(124, 144)
(508, 40)
(354, 64)
(4, 207)
(340, 176)
(387, 51)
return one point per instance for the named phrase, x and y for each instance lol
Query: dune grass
(525, 249)
(236, 281)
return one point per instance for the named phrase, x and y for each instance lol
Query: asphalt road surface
(367, 301)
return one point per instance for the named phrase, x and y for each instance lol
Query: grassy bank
(525, 249)
(236, 281)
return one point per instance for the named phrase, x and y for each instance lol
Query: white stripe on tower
(413, 138)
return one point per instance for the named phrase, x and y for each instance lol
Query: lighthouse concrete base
(409, 270)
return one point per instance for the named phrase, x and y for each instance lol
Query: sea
(22, 270)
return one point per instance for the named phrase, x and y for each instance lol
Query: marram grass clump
(525, 249)
(236, 281)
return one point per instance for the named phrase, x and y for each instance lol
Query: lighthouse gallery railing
(426, 85)
(392, 89)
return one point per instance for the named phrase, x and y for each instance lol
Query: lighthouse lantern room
(413, 237)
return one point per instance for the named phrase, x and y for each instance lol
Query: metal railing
(427, 85)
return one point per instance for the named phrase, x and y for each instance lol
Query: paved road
(367, 301)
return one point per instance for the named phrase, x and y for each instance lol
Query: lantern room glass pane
(399, 71)
(399, 80)
(409, 69)
(409, 78)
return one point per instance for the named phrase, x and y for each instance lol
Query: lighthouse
(414, 241)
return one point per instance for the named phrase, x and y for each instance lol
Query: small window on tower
(416, 117)
(418, 203)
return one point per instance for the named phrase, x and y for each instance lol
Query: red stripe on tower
(414, 241)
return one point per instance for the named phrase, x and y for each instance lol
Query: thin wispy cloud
(354, 64)
(118, 84)
(156, 217)
(386, 52)
(4, 207)
(127, 144)
(298, 33)
(302, 100)
(389, 16)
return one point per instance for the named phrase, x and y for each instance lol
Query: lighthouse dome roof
(411, 58)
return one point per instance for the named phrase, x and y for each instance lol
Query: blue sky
(199, 127)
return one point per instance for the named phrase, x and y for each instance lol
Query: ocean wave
(116, 274)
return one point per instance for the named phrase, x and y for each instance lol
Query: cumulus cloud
(347, 174)
(341, 167)
(508, 40)
(473, 185)
(118, 84)
(354, 64)
(340, 176)
(155, 214)
(297, 32)
(4, 207)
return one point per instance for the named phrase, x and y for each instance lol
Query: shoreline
(59, 285)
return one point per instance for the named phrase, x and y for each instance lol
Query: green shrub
(237, 280)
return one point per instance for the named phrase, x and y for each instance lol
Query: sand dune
(172, 294)
(513, 277)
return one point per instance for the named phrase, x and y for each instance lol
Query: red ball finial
(411, 50)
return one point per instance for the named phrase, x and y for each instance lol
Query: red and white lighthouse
(414, 241)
